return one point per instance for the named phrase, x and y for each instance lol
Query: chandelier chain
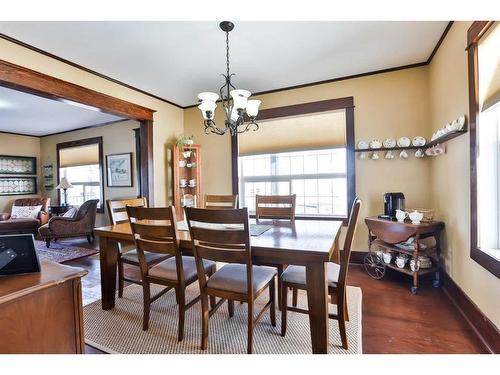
(227, 53)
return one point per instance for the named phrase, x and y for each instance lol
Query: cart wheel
(413, 290)
(374, 266)
(435, 283)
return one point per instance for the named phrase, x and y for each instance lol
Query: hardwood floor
(394, 320)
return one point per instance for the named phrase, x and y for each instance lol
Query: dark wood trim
(484, 328)
(78, 66)
(23, 79)
(146, 155)
(78, 143)
(346, 103)
(474, 34)
(20, 134)
(438, 44)
(138, 165)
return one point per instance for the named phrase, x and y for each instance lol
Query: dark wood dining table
(310, 243)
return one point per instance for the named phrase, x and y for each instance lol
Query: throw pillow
(70, 213)
(25, 212)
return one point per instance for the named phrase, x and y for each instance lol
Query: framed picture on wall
(18, 186)
(17, 164)
(119, 168)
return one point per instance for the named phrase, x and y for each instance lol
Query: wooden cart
(384, 234)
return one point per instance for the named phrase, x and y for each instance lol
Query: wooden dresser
(42, 312)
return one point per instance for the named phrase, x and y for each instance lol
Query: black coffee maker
(392, 202)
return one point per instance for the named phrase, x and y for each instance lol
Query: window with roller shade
(302, 155)
(488, 144)
(82, 166)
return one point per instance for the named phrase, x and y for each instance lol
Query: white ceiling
(33, 115)
(177, 60)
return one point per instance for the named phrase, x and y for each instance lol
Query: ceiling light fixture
(236, 103)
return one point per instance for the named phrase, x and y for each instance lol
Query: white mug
(387, 258)
(400, 216)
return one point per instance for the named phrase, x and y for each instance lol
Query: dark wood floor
(394, 321)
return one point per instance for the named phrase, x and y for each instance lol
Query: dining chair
(224, 235)
(221, 202)
(295, 277)
(275, 207)
(155, 231)
(127, 254)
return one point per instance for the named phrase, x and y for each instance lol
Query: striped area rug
(120, 330)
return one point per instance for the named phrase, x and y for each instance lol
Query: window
(80, 162)
(484, 118)
(304, 149)
(317, 177)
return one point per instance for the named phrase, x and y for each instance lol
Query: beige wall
(117, 138)
(387, 105)
(168, 119)
(448, 90)
(19, 145)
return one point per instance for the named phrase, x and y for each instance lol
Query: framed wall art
(119, 168)
(18, 185)
(17, 164)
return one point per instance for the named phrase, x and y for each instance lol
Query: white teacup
(416, 217)
(400, 215)
(182, 163)
(387, 258)
(400, 262)
(412, 265)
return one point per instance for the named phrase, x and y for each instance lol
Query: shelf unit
(435, 142)
(186, 167)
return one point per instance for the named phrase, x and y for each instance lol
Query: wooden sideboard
(42, 312)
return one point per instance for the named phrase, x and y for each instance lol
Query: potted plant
(184, 140)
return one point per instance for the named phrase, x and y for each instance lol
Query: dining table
(309, 243)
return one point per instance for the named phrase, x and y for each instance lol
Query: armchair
(10, 225)
(82, 224)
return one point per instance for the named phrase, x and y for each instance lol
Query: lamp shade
(253, 107)
(64, 184)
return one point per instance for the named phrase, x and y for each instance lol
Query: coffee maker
(392, 202)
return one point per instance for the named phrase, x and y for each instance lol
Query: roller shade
(312, 131)
(489, 67)
(77, 156)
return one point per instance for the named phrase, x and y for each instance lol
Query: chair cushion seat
(297, 274)
(132, 257)
(233, 278)
(21, 223)
(168, 270)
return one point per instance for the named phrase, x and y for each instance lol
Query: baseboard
(487, 332)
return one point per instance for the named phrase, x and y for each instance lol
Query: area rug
(60, 253)
(120, 329)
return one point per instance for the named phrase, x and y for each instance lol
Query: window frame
(84, 142)
(345, 103)
(474, 34)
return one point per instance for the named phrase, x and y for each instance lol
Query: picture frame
(119, 167)
(17, 165)
(18, 186)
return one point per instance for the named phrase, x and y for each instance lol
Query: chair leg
(284, 305)
(295, 296)
(346, 310)
(204, 321)
(341, 320)
(272, 298)
(120, 277)
(182, 311)
(280, 269)
(230, 307)
(250, 328)
(47, 242)
(213, 301)
(89, 239)
(147, 303)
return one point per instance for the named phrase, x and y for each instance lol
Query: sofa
(10, 225)
(81, 224)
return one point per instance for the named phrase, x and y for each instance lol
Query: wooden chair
(221, 202)
(155, 231)
(275, 207)
(295, 277)
(239, 280)
(118, 215)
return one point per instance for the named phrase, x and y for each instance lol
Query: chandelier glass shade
(239, 110)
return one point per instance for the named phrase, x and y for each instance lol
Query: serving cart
(384, 234)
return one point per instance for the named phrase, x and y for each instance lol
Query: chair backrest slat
(346, 252)
(221, 202)
(275, 206)
(117, 208)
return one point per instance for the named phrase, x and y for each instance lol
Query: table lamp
(64, 184)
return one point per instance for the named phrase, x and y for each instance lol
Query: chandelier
(240, 111)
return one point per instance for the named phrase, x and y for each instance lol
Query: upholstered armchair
(82, 224)
(9, 224)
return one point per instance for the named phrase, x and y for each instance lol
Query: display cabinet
(187, 177)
